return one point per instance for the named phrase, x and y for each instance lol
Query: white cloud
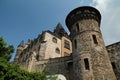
(110, 26)
(81, 1)
(100, 4)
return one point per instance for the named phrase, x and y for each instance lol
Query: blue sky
(25, 19)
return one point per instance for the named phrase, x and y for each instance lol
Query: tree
(12, 71)
(5, 50)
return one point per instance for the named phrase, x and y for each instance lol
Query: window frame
(75, 44)
(66, 44)
(86, 64)
(77, 27)
(95, 39)
(54, 39)
(57, 50)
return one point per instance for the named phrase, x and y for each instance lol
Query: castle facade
(82, 55)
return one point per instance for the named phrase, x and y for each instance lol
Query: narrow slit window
(87, 67)
(69, 65)
(95, 39)
(75, 43)
(77, 25)
(113, 65)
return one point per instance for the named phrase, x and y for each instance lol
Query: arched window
(54, 40)
(75, 44)
(57, 50)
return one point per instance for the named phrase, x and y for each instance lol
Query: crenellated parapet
(83, 13)
(90, 58)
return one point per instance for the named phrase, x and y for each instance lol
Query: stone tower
(90, 57)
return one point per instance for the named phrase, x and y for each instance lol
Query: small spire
(29, 40)
(21, 44)
(59, 30)
(59, 25)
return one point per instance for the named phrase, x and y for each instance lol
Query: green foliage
(11, 71)
(5, 50)
(37, 76)
(50, 74)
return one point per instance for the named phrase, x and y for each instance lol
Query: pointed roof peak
(59, 25)
(21, 44)
(59, 30)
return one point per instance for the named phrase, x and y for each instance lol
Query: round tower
(90, 58)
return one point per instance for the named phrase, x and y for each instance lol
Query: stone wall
(53, 49)
(114, 53)
(66, 46)
(61, 65)
(90, 57)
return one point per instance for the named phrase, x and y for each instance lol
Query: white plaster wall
(51, 46)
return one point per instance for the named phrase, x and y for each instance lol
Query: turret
(90, 58)
(20, 48)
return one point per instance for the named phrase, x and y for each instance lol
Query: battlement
(81, 13)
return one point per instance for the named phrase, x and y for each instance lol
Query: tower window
(94, 39)
(37, 57)
(75, 44)
(86, 64)
(77, 25)
(54, 40)
(69, 65)
(113, 65)
(57, 50)
(66, 44)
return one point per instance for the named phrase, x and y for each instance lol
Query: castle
(82, 55)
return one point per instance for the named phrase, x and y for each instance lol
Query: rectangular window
(94, 39)
(66, 44)
(69, 65)
(77, 25)
(113, 65)
(86, 64)
(75, 43)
